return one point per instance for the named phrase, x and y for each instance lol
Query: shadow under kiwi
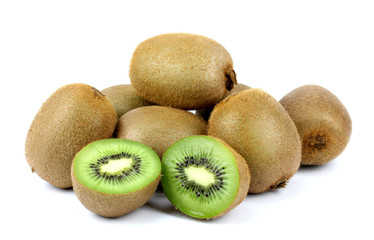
(161, 203)
(313, 168)
(57, 189)
(266, 194)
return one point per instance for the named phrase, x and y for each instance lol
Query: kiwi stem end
(231, 79)
(280, 184)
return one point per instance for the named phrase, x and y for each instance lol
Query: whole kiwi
(205, 113)
(72, 117)
(182, 70)
(258, 128)
(159, 126)
(124, 98)
(322, 121)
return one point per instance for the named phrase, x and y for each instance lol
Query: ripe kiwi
(159, 126)
(113, 177)
(182, 70)
(259, 129)
(71, 117)
(204, 177)
(322, 121)
(124, 98)
(205, 113)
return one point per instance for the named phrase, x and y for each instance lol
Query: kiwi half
(323, 123)
(72, 117)
(159, 126)
(259, 129)
(124, 98)
(182, 70)
(113, 177)
(204, 177)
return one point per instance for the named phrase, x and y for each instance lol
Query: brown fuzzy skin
(113, 205)
(68, 120)
(182, 70)
(322, 121)
(205, 113)
(159, 127)
(259, 129)
(124, 98)
(244, 179)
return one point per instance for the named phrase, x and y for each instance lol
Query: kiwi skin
(205, 113)
(323, 123)
(124, 98)
(112, 205)
(72, 117)
(159, 126)
(259, 129)
(182, 70)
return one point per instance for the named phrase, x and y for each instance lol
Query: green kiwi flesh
(205, 113)
(159, 126)
(203, 177)
(113, 177)
(258, 128)
(124, 98)
(323, 123)
(72, 117)
(182, 70)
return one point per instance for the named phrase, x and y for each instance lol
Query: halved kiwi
(113, 177)
(204, 177)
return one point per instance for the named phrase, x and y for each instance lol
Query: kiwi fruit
(159, 126)
(113, 177)
(182, 70)
(124, 98)
(204, 177)
(72, 117)
(258, 128)
(205, 113)
(323, 123)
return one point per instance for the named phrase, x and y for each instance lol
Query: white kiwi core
(200, 175)
(118, 165)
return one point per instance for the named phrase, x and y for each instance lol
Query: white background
(275, 45)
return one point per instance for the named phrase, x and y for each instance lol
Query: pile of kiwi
(184, 126)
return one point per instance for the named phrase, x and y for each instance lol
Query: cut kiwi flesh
(116, 166)
(200, 176)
